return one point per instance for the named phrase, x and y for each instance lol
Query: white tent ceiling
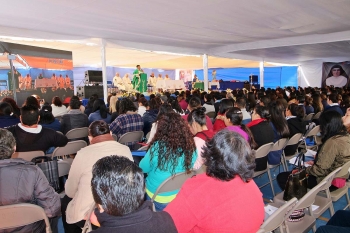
(278, 31)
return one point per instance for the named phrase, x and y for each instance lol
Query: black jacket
(72, 121)
(295, 126)
(148, 118)
(143, 220)
(37, 141)
(23, 182)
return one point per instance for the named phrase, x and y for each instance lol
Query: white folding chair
(71, 148)
(279, 146)
(291, 142)
(77, 133)
(312, 133)
(316, 116)
(309, 117)
(337, 194)
(17, 215)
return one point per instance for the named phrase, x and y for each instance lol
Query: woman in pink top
(233, 121)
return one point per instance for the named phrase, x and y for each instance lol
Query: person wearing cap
(337, 77)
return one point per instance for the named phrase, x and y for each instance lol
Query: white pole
(104, 69)
(205, 71)
(261, 68)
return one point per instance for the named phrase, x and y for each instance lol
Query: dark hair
(251, 100)
(236, 116)
(13, 104)
(333, 97)
(57, 101)
(29, 115)
(265, 100)
(143, 101)
(31, 100)
(331, 124)
(154, 103)
(240, 103)
(90, 103)
(117, 185)
(5, 109)
(194, 102)
(74, 103)
(163, 109)
(224, 105)
(171, 147)
(7, 144)
(197, 115)
(175, 104)
(228, 154)
(278, 118)
(100, 105)
(98, 128)
(126, 105)
(46, 116)
(262, 111)
(296, 110)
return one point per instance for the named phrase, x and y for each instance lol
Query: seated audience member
(317, 103)
(195, 103)
(30, 136)
(150, 116)
(262, 131)
(168, 154)
(118, 189)
(113, 102)
(15, 108)
(90, 104)
(23, 182)
(143, 104)
(230, 167)
(47, 120)
(333, 153)
(280, 129)
(78, 199)
(31, 100)
(7, 118)
(241, 104)
(217, 100)
(219, 123)
(308, 105)
(208, 103)
(99, 112)
(233, 121)
(197, 122)
(333, 105)
(128, 119)
(81, 108)
(163, 109)
(74, 118)
(264, 101)
(182, 100)
(294, 116)
(58, 109)
(175, 105)
(339, 223)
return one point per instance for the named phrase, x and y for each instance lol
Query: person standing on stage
(136, 81)
(28, 82)
(160, 83)
(213, 74)
(195, 79)
(67, 81)
(127, 82)
(152, 81)
(118, 82)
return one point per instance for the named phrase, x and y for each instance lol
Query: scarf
(101, 138)
(255, 122)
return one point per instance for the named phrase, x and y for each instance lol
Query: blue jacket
(56, 125)
(95, 116)
(6, 121)
(148, 118)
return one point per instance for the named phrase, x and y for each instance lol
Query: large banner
(335, 74)
(185, 75)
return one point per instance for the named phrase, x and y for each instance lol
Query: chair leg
(331, 209)
(284, 161)
(314, 228)
(270, 178)
(348, 200)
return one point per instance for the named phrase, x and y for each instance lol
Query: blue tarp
(273, 76)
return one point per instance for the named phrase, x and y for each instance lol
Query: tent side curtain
(273, 76)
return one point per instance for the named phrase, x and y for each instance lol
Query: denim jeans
(157, 205)
(339, 223)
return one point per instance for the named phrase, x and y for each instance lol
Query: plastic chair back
(77, 133)
(295, 139)
(71, 148)
(28, 156)
(278, 217)
(280, 144)
(317, 116)
(313, 132)
(134, 136)
(143, 148)
(22, 214)
(211, 114)
(263, 150)
(63, 168)
(309, 117)
(344, 170)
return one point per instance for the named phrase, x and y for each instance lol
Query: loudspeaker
(80, 92)
(93, 76)
(253, 78)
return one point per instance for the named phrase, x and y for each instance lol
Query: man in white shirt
(118, 82)
(152, 82)
(127, 82)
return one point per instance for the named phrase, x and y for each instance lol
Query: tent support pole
(104, 69)
(261, 69)
(205, 71)
(13, 80)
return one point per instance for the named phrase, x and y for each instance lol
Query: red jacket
(206, 204)
(209, 124)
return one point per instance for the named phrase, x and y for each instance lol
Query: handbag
(296, 185)
(50, 170)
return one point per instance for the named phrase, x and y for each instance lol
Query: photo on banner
(42, 72)
(185, 75)
(336, 74)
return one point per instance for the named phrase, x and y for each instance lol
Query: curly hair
(126, 105)
(174, 140)
(228, 154)
(7, 144)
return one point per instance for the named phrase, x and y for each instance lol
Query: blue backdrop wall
(273, 76)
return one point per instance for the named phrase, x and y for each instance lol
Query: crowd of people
(181, 137)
